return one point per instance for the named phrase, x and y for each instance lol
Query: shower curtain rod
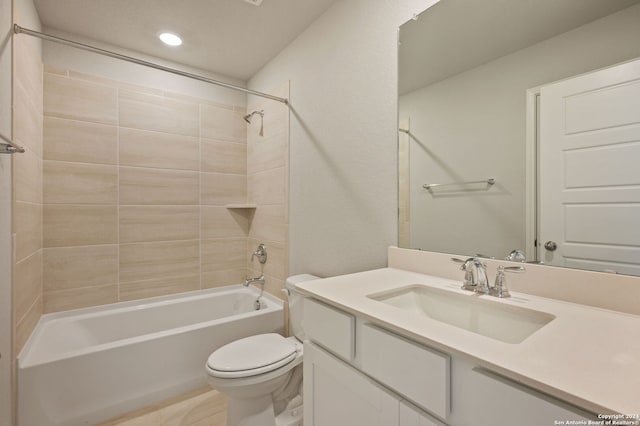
(8, 146)
(21, 30)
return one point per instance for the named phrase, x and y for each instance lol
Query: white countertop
(587, 356)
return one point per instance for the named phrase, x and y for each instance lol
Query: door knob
(551, 245)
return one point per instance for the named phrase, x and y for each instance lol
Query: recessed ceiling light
(170, 39)
(254, 2)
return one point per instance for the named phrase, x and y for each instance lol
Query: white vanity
(396, 347)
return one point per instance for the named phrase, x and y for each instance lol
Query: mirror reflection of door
(589, 176)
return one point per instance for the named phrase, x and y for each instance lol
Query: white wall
(6, 325)
(343, 155)
(472, 126)
(66, 57)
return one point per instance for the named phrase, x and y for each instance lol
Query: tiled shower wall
(268, 188)
(27, 188)
(135, 186)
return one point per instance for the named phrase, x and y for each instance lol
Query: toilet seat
(251, 356)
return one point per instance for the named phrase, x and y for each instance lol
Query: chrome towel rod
(429, 186)
(8, 147)
(21, 30)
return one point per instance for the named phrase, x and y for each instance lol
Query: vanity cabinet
(337, 394)
(358, 373)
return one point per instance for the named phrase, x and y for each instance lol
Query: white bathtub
(89, 365)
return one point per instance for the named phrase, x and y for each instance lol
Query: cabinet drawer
(513, 403)
(330, 327)
(421, 374)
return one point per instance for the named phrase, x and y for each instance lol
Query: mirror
(480, 94)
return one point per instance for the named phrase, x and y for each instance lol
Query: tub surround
(584, 356)
(137, 184)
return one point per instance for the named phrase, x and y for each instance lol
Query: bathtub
(85, 366)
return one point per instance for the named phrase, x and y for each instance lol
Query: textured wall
(343, 177)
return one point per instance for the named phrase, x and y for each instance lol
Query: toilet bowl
(262, 375)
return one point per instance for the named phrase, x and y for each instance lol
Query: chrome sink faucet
(476, 280)
(475, 277)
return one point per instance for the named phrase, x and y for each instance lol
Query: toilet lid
(251, 356)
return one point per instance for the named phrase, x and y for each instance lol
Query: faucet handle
(260, 253)
(469, 282)
(499, 288)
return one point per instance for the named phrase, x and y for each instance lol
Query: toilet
(262, 375)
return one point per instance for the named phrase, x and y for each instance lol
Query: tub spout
(258, 280)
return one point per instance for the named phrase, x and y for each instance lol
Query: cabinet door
(412, 416)
(497, 401)
(336, 394)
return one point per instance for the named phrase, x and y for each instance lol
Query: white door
(589, 171)
(336, 394)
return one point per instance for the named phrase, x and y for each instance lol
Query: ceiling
(227, 37)
(456, 35)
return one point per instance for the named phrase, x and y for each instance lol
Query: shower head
(247, 117)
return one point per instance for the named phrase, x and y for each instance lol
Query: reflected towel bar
(8, 147)
(429, 186)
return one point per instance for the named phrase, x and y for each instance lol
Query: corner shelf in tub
(241, 206)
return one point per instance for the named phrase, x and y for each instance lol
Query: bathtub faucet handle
(260, 253)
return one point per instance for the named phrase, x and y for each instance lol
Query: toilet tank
(295, 304)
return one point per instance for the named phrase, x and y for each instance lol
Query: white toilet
(262, 375)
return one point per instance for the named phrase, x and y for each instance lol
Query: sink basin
(507, 323)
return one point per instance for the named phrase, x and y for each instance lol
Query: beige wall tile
(146, 261)
(266, 187)
(224, 157)
(27, 177)
(269, 223)
(115, 83)
(27, 67)
(223, 278)
(274, 286)
(79, 183)
(27, 225)
(76, 267)
(162, 150)
(64, 300)
(159, 287)
(267, 153)
(223, 254)
(220, 189)
(159, 223)
(27, 284)
(220, 222)
(79, 225)
(27, 120)
(156, 186)
(79, 100)
(222, 124)
(187, 98)
(80, 141)
(54, 70)
(24, 328)
(148, 112)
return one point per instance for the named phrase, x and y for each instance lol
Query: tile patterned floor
(202, 407)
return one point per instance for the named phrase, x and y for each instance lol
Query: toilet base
(251, 412)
